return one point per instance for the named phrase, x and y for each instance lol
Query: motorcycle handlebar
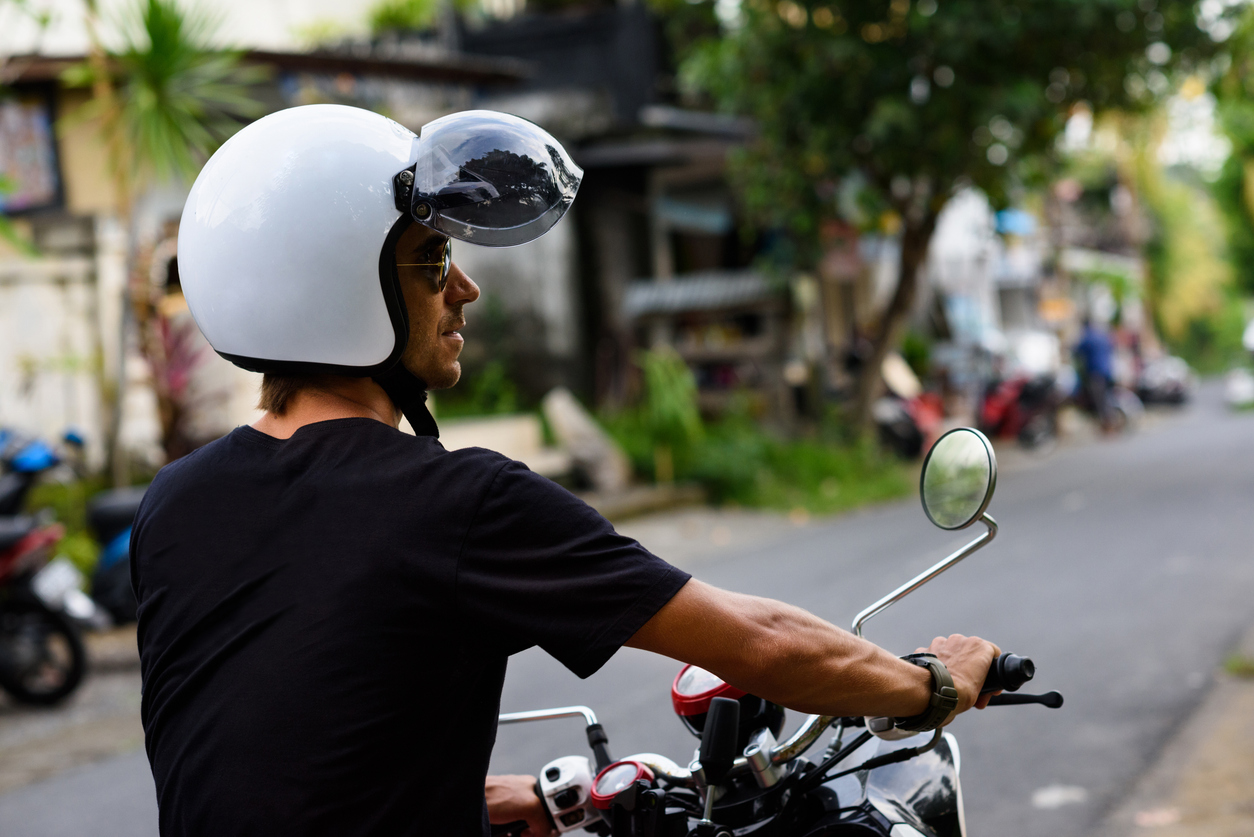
(1007, 673)
(1051, 699)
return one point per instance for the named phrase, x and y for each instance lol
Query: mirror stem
(926, 576)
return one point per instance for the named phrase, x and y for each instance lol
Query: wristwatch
(944, 696)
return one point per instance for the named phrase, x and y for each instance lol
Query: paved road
(1123, 567)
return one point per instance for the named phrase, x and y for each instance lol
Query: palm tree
(163, 103)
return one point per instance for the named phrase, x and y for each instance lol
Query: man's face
(435, 313)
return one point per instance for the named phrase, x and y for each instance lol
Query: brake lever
(1051, 699)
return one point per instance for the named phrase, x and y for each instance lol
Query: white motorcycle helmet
(286, 245)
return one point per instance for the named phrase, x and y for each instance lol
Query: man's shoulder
(181, 468)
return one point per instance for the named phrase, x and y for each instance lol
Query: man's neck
(334, 399)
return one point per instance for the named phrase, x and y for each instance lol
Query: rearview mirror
(959, 475)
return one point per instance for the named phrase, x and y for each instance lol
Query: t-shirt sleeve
(541, 567)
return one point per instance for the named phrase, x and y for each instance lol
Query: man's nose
(461, 289)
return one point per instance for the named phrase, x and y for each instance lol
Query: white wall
(539, 277)
(48, 347)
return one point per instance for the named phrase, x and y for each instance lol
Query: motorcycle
(1124, 410)
(1022, 407)
(42, 659)
(872, 780)
(22, 460)
(109, 518)
(906, 425)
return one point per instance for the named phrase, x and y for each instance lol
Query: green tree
(163, 102)
(1234, 95)
(906, 103)
(167, 99)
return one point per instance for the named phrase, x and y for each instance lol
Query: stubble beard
(424, 362)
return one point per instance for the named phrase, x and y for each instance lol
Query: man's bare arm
(789, 656)
(513, 798)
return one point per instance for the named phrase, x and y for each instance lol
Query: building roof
(707, 291)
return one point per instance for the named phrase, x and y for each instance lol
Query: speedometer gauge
(695, 687)
(615, 779)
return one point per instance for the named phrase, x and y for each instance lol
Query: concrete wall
(538, 285)
(48, 347)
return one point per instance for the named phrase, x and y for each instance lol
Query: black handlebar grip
(1007, 673)
(509, 829)
(1051, 699)
(718, 739)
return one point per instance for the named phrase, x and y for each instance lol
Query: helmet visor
(490, 178)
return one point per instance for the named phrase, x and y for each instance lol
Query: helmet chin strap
(409, 393)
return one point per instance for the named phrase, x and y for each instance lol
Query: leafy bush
(402, 15)
(68, 501)
(492, 392)
(739, 462)
(669, 412)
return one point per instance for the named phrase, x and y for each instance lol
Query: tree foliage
(1234, 95)
(892, 106)
(173, 96)
(163, 103)
(916, 99)
(402, 15)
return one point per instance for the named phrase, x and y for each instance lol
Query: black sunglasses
(445, 265)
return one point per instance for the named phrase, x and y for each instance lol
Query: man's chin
(445, 379)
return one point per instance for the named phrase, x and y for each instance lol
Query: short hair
(278, 390)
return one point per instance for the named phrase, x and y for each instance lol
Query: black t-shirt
(324, 623)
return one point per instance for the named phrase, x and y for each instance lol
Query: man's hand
(513, 798)
(968, 659)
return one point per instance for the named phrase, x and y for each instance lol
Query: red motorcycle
(1022, 407)
(42, 659)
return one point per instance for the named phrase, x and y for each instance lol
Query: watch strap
(944, 696)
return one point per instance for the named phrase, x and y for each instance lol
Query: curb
(1202, 782)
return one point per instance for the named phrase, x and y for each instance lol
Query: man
(1094, 355)
(326, 603)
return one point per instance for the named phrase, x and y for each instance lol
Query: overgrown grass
(739, 462)
(1239, 666)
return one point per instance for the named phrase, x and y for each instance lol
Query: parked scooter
(22, 461)
(907, 418)
(1022, 407)
(109, 517)
(872, 780)
(41, 652)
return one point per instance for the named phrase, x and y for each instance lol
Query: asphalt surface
(1123, 567)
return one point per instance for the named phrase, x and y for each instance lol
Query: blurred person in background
(1094, 355)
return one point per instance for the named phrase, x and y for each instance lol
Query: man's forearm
(784, 654)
